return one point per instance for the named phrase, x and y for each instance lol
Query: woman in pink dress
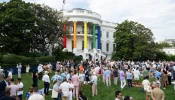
(75, 81)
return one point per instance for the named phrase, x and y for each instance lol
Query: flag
(64, 1)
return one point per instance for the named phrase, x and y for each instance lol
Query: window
(92, 45)
(107, 34)
(72, 45)
(101, 46)
(101, 34)
(83, 29)
(82, 45)
(113, 47)
(107, 47)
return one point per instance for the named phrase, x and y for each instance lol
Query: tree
(16, 21)
(29, 27)
(134, 41)
(163, 45)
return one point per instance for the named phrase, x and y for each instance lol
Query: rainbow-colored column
(94, 37)
(99, 37)
(75, 35)
(64, 37)
(85, 38)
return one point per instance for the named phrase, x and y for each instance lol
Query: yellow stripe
(75, 35)
(85, 34)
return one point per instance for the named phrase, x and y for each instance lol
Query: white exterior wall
(169, 51)
(108, 27)
(80, 16)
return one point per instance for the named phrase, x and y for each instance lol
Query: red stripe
(64, 38)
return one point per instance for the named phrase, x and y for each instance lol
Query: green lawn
(104, 92)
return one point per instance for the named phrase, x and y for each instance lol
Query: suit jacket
(3, 86)
(75, 80)
(7, 98)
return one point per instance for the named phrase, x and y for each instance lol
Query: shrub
(14, 59)
(78, 58)
(170, 57)
(27, 60)
(45, 59)
(30, 54)
(1, 57)
(7, 65)
(11, 59)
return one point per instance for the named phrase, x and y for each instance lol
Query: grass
(104, 92)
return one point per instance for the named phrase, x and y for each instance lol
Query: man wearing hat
(157, 93)
(46, 80)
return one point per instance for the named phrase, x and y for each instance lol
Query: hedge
(27, 60)
(78, 58)
(1, 57)
(30, 54)
(15, 59)
(45, 59)
(11, 59)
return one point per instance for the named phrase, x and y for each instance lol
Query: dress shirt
(40, 69)
(107, 73)
(6, 83)
(46, 78)
(19, 67)
(82, 76)
(94, 79)
(20, 85)
(10, 75)
(65, 88)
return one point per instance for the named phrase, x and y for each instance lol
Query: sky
(157, 15)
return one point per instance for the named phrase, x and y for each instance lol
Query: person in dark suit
(7, 95)
(3, 85)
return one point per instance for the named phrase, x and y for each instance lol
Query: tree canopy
(135, 41)
(27, 27)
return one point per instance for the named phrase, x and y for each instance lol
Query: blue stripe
(99, 37)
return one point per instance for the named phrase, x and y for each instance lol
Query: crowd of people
(70, 77)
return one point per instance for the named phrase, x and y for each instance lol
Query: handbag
(54, 94)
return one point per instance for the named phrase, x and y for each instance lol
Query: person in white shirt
(136, 76)
(94, 84)
(14, 88)
(146, 87)
(20, 88)
(19, 70)
(71, 89)
(81, 80)
(40, 70)
(65, 88)
(46, 80)
(36, 95)
(10, 74)
(118, 95)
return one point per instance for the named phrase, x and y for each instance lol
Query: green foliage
(11, 59)
(170, 57)
(26, 26)
(30, 54)
(134, 41)
(163, 45)
(14, 59)
(26, 60)
(1, 56)
(114, 57)
(78, 58)
(45, 59)
(7, 65)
